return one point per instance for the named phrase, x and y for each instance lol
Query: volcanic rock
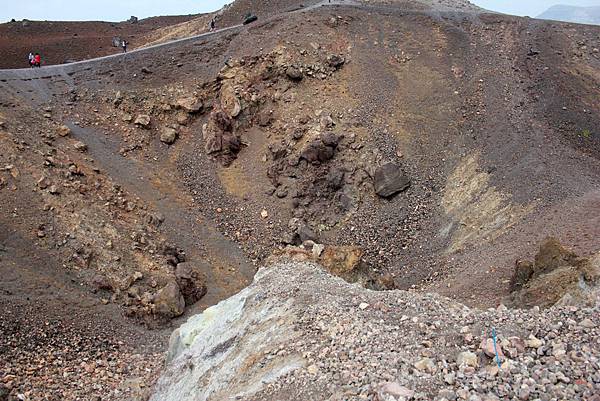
(177, 254)
(101, 282)
(142, 120)
(189, 104)
(556, 273)
(63, 131)
(306, 233)
(80, 146)
(169, 302)
(335, 179)
(191, 282)
(220, 140)
(551, 256)
(168, 136)
(467, 358)
(278, 150)
(335, 61)
(317, 152)
(294, 73)
(389, 180)
(230, 102)
(425, 365)
(307, 334)
(341, 260)
(265, 118)
(43, 183)
(487, 346)
(395, 390)
(326, 122)
(54, 190)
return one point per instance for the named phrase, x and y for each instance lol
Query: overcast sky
(119, 10)
(102, 10)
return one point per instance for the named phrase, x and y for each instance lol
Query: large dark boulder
(249, 18)
(317, 152)
(174, 254)
(191, 282)
(330, 139)
(335, 179)
(389, 180)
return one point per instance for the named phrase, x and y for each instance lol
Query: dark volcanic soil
(215, 152)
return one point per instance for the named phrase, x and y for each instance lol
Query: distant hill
(75, 40)
(581, 15)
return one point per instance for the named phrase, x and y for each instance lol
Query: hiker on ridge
(212, 24)
(30, 57)
(124, 45)
(37, 60)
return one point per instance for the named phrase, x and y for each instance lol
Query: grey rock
(447, 394)
(294, 73)
(306, 233)
(426, 365)
(330, 139)
(467, 358)
(80, 146)
(389, 180)
(335, 61)
(395, 390)
(142, 120)
(168, 136)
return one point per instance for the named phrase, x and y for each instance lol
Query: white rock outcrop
(222, 349)
(298, 333)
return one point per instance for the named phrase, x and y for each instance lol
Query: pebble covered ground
(397, 345)
(497, 101)
(45, 357)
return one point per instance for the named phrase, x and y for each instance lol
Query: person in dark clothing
(212, 24)
(124, 45)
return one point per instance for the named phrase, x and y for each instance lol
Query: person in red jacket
(37, 60)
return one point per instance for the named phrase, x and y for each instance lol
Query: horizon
(108, 11)
(116, 11)
(531, 8)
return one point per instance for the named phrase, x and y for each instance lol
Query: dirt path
(61, 69)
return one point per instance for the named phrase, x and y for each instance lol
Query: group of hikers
(35, 60)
